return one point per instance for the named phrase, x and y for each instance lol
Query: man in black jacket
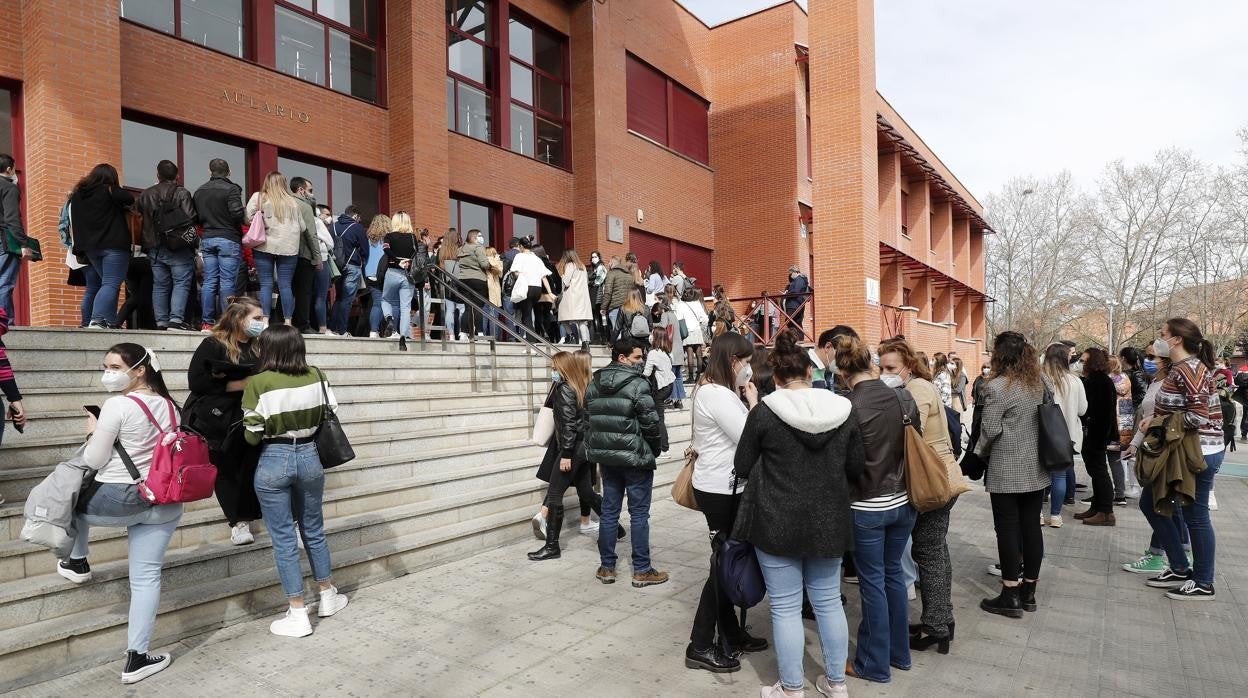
(11, 221)
(624, 432)
(219, 205)
(796, 295)
(173, 262)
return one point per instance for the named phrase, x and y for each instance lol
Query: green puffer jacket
(615, 287)
(624, 425)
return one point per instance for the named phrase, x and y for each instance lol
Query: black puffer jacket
(571, 422)
(624, 427)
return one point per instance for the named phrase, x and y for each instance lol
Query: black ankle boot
(402, 343)
(1006, 604)
(550, 551)
(1027, 596)
(712, 659)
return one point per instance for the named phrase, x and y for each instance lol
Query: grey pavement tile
(1138, 681)
(1202, 688)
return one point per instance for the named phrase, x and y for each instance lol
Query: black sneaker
(1169, 579)
(1191, 591)
(1069, 501)
(1081, 486)
(180, 326)
(1089, 500)
(140, 665)
(748, 643)
(1120, 502)
(75, 570)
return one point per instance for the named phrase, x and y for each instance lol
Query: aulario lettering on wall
(281, 111)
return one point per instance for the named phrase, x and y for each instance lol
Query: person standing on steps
(219, 205)
(1015, 479)
(576, 306)
(217, 377)
(102, 237)
(283, 406)
(352, 239)
(168, 209)
(375, 271)
(623, 439)
(472, 267)
(719, 415)
(285, 230)
(800, 449)
(401, 248)
(570, 372)
(8, 386)
(10, 220)
(131, 422)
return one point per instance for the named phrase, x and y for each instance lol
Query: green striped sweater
(276, 404)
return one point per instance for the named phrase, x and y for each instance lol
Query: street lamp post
(1110, 344)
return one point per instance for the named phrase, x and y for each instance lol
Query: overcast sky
(1000, 89)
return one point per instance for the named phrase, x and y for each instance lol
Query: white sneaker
(778, 691)
(1055, 522)
(589, 528)
(331, 602)
(994, 569)
(539, 526)
(1213, 501)
(294, 624)
(240, 534)
(374, 335)
(910, 594)
(463, 337)
(1044, 519)
(827, 688)
(298, 537)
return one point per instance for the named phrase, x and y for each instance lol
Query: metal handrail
(785, 319)
(462, 292)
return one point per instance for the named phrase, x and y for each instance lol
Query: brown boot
(1101, 519)
(1085, 514)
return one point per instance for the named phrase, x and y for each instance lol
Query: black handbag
(1057, 451)
(331, 441)
(738, 576)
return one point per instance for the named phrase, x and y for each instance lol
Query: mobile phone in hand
(13, 416)
(93, 409)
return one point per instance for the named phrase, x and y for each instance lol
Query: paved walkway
(497, 624)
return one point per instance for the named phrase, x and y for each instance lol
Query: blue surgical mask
(256, 327)
(555, 377)
(1150, 366)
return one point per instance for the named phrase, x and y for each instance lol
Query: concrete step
(46, 648)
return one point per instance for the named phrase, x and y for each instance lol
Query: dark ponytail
(789, 361)
(1193, 339)
(136, 355)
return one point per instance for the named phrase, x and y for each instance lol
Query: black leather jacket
(571, 422)
(883, 438)
(219, 204)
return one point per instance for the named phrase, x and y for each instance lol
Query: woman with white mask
(130, 423)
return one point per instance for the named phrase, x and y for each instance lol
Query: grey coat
(1009, 438)
(50, 506)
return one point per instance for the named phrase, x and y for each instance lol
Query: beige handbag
(682, 488)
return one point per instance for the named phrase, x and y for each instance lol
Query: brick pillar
(71, 96)
(588, 53)
(416, 53)
(890, 198)
(846, 189)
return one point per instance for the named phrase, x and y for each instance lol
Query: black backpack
(173, 228)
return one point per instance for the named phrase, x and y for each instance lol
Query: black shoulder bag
(1057, 451)
(331, 441)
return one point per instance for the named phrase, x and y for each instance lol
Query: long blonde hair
(378, 227)
(449, 249)
(574, 368)
(277, 193)
(401, 223)
(491, 253)
(573, 257)
(231, 328)
(634, 304)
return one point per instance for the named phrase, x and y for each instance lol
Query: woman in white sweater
(1073, 400)
(690, 308)
(277, 258)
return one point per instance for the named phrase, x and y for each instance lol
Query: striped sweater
(1189, 388)
(280, 405)
(8, 384)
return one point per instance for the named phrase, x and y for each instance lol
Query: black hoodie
(99, 216)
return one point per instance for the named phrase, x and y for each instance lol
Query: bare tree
(1034, 256)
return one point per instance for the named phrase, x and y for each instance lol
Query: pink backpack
(180, 471)
(255, 235)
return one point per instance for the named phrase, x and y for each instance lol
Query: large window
(6, 122)
(217, 24)
(466, 215)
(144, 145)
(662, 110)
(550, 233)
(336, 187)
(539, 91)
(470, 79)
(329, 42)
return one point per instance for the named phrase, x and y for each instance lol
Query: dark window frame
(180, 129)
(383, 179)
(353, 34)
(496, 227)
(490, 66)
(671, 86)
(248, 8)
(564, 82)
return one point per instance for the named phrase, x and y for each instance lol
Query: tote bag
(927, 479)
(544, 424)
(682, 488)
(1057, 451)
(331, 440)
(738, 576)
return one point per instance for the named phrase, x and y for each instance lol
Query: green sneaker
(1147, 564)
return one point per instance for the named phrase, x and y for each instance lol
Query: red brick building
(597, 124)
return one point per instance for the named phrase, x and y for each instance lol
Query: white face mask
(892, 380)
(1161, 348)
(744, 374)
(115, 381)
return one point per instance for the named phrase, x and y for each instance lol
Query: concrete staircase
(444, 469)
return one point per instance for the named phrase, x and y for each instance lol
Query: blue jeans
(678, 388)
(884, 633)
(450, 312)
(110, 266)
(289, 484)
(1199, 526)
(1057, 492)
(1071, 481)
(269, 266)
(352, 281)
(398, 292)
(149, 529)
(909, 572)
(639, 484)
(821, 578)
(488, 328)
(88, 297)
(221, 259)
(320, 311)
(173, 274)
(10, 267)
